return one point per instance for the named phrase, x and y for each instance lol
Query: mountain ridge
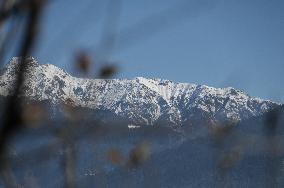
(140, 100)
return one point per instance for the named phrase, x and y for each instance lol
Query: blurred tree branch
(12, 121)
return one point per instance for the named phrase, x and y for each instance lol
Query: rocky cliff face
(139, 100)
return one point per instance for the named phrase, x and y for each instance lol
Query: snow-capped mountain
(139, 100)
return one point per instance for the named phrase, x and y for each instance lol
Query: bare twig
(12, 115)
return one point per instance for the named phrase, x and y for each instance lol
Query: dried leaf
(84, 62)
(114, 156)
(139, 154)
(108, 71)
(33, 114)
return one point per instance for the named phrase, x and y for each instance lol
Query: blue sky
(238, 43)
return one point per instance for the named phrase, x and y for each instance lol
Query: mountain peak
(15, 61)
(139, 100)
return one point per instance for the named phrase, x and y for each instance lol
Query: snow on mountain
(140, 100)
